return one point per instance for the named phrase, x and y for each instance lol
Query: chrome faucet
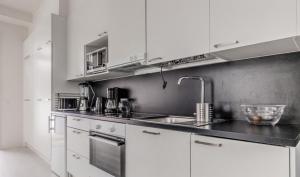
(204, 111)
(202, 94)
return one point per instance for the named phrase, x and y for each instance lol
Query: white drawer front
(79, 123)
(112, 128)
(77, 165)
(78, 141)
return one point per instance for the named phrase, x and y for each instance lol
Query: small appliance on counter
(114, 96)
(86, 100)
(99, 105)
(67, 101)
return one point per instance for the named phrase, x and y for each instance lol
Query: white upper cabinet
(42, 21)
(127, 33)
(177, 29)
(236, 23)
(86, 20)
(214, 157)
(152, 152)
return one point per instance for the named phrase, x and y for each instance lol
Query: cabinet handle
(39, 48)
(76, 132)
(76, 119)
(75, 156)
(39, 99)
(208, 144)
(151, 133)
(226, 44)
(102, 34)
(155, 59)
(27, 99)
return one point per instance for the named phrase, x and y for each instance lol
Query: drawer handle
(155, 59)
(76, 119)
(226, 44)
(208, 144)
(76, 132)
(75, 156)
(151, 133)
(98, 127)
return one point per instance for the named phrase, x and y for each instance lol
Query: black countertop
(279, 135)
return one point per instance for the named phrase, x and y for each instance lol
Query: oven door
(108, 153)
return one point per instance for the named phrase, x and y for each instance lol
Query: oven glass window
(107, 157)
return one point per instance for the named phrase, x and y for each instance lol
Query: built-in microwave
(96, 61)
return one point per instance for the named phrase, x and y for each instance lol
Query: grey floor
(22, 162)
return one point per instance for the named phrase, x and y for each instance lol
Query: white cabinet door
(214, 157)
(127, 33)
(77, 165)
(177, 29)
(58, 137)
(152, 152)
(42, 68)
(78, 141)
(85, 22)
(236, 23)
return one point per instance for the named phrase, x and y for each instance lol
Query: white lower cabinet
(152, 152)
(78, 166)
(78, 141)
(214, 157)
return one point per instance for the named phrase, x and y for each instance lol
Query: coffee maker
(113, 98)
(85, 100)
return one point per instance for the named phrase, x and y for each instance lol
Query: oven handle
(107, 139)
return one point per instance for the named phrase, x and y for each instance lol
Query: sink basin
(171, 120)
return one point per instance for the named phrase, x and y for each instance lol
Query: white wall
(11, 41)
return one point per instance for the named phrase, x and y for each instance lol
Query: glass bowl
(263, 114)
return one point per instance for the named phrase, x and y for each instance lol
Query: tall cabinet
(44, 68)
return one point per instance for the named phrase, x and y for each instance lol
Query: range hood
(129, 67)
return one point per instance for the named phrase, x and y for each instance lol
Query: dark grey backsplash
(268, 80)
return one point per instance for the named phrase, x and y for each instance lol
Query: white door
(214, 157)
(42, 64)
(127, 33)
(41, 136)
(58, 139)
(152, 152)
(177, 29)
(236, 23)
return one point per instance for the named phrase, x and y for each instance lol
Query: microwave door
(108, 154)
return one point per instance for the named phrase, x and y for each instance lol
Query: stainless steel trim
(107, 139)
(50, 120)
(151, 133)
(226, 44)
(154, 59)
(207, 143)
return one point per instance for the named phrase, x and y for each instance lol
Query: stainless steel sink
(181, 121)
(171, 120)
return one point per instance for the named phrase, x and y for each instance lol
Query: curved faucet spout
(195, 78)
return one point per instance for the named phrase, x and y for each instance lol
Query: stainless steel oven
(107, 153)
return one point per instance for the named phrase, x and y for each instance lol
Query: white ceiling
(29, 6)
